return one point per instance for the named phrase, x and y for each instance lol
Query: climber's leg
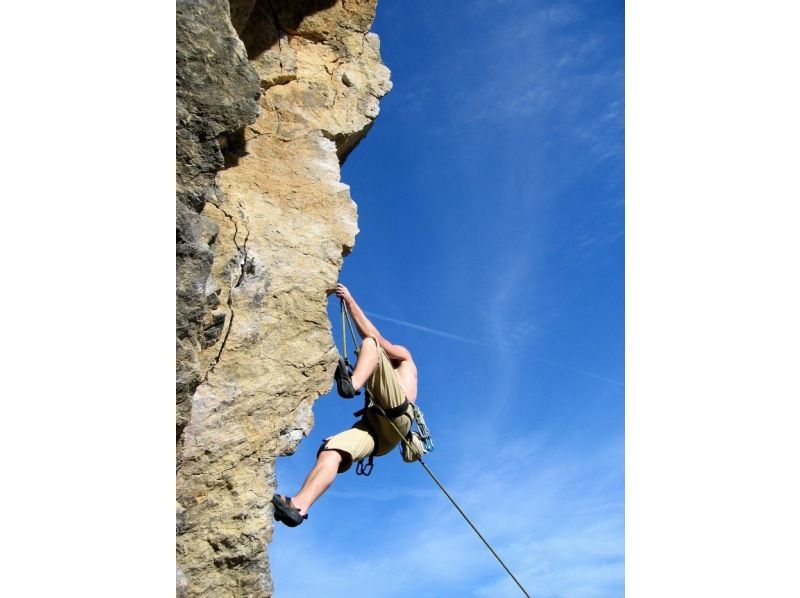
(318, 481)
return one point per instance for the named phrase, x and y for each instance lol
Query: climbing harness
(364, 466)
(418, 452)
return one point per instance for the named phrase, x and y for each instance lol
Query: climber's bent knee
(345, 458)
(369, 346)
(353, 445)
(326, 454)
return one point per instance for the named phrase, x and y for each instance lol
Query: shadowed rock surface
(272, 95)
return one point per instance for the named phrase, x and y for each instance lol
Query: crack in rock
(243, 264)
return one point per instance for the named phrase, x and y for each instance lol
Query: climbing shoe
(344, 385)
(286, 512)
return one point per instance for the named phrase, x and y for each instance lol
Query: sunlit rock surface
(272, 97)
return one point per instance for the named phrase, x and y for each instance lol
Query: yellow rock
(278, 226)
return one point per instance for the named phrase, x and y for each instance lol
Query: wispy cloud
(545, 517)
(577, 370)
(553, 71)
(427, 329)
(603, 134)
(384, 494)
(562, 13)
(504, 336)
(554, 518)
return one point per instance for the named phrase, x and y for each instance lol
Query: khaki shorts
(358, 443)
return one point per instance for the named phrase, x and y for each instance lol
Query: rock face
(272, 95)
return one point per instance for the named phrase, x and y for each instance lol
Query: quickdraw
(424, 433)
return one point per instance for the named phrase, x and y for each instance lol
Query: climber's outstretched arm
(367, 329)
(363, 324)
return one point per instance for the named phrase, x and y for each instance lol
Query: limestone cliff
(272, 95)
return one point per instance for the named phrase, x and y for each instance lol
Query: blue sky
(490, 195)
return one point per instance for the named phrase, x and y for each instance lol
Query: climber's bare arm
(396, 352)
(363, 325)
(367, 329)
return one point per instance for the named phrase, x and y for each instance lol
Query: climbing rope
(346, 317)
(455, 504)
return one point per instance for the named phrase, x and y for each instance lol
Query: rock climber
(389, 374)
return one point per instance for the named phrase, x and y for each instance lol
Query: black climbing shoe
(344, 385)
(286, 512)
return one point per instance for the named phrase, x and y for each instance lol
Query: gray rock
(264, 120)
